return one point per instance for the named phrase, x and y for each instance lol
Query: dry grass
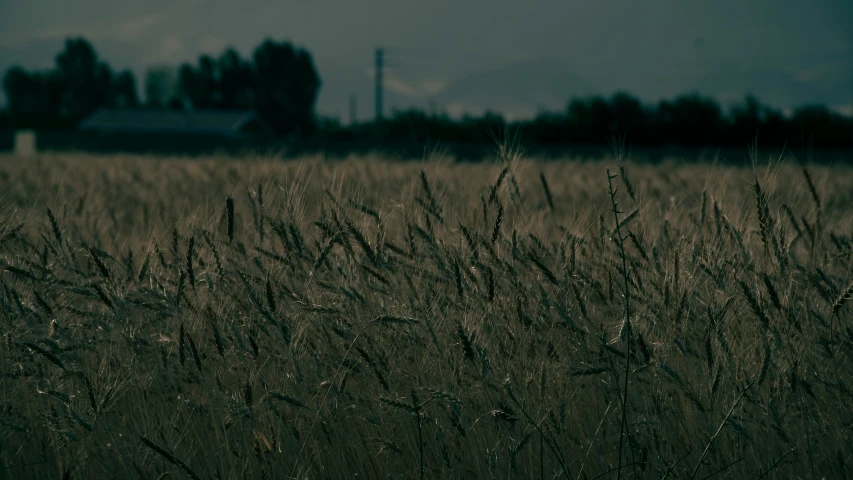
(241, 319)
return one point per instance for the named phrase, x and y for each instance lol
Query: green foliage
(280, 83)
(689, 120)
(78, 85)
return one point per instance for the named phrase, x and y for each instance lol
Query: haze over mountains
(479, 55)
(517, 90)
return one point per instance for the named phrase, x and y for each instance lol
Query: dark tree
(226, 83)
(86, 82)
(629, 115)
(816, 124)
(161, 86)
(32, 96)
(235, 81)
(590, 120)
(690, 120)
(280, 83)
(746, 119)
(286, 87)
(75, 88)
(124, 90)
(198, 85)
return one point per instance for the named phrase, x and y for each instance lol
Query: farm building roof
(210, 122)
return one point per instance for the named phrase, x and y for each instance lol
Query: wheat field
(365, 318)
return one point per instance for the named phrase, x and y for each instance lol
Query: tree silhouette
(161, 86)
(286, 86)
(280, 83)
(235, 81)
(32, 96)
(226, 83)
(629, 115)
(816, 124)
(590, 120)
(690, 120)
(86, 82)
(123, 92)
(198, 85)
(78, 85)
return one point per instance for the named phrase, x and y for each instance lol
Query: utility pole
(352, 113)
(378, 84)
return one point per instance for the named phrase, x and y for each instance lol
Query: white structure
(25, 143)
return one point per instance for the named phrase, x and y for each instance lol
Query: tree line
(688, 120)
(281, 83)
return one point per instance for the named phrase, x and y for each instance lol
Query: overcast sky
(787, 52)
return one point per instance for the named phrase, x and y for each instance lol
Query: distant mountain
(517, 90)
(828, 85)
(340, 83)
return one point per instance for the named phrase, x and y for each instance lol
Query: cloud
(137, 27)
(400, 86)
(212, 45)
(415, 89)
(170, 49)
(846, 110)
(433, 86)
(818, 72)
(43, 34)
(128, 30)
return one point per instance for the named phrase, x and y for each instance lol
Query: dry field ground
(221, 318)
